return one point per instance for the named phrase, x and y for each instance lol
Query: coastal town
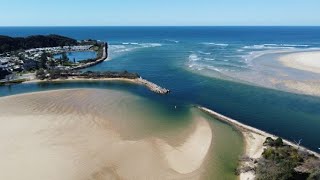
(41, 64)
(20, 62)
(29, 60)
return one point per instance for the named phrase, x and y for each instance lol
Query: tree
(41, 74)
(8, 44)
(64, 58)
(55, 74)
(273, 143)
(43, 60)
(52, 63)
(278, 142)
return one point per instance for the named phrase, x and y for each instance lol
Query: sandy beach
(306, 61)
(305, 82)
(84, 134)
(254, 139)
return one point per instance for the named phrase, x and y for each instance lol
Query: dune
(306, 61)
(78, 134)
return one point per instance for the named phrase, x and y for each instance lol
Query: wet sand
(294, 71)
(88, 134)
(307, 80)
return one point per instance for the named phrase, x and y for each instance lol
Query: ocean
(208, 66)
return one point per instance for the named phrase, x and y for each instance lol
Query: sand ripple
(91, 134)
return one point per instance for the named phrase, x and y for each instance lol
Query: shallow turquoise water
(79, 56)
(175, 58)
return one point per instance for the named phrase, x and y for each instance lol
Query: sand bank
(140, 81)
(83, 134)
(254, 139)
(189, 156)
(308, 87)
(306, 61)
(304, 83)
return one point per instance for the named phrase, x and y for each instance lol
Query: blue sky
(158, 12)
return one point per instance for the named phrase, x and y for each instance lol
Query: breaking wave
(215, 44)
(171, 40)
(275, 46)
(125, 47)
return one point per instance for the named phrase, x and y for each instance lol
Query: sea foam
(274, 46)
(215, 44)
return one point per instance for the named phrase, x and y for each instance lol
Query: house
(4, 63)
(4, 60)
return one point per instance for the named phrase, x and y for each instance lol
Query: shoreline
(139, 81)
(253, 139)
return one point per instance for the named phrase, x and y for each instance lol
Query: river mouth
(94, 133)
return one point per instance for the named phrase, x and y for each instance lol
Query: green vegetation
(43, 60)
(41, 74)
(314, 175)
(110, 74)
(64, 74)
(284, 162)
(8, 44)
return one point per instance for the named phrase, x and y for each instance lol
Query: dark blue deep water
(175, 58)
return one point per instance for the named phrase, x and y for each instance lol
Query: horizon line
(162, 26)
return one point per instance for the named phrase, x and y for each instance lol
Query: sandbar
(77, 134)
(306, 61)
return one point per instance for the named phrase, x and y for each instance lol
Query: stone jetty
(152, 86)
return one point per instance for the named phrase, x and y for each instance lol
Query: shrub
(315, 175)
(278, 142)
(40, 74)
